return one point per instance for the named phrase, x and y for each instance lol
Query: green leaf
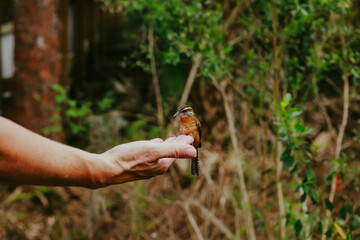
(355, 223)
(348, 235)
(295, 114)
(319, 227)
(328, 204)
(343, 211)
(297, 227)
(310, 175)
(294, 170)
(58, 88)
(350, 208)
(314, 197)
(60, 98)
(287, 159)
(286, 100)
(46, 131)
(303, 197)
(329, 231)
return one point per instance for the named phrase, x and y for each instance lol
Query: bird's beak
(177, 113)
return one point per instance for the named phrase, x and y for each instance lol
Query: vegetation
(276, 87)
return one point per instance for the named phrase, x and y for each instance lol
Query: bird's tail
(195, 165)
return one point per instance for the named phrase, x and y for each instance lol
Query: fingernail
(190, 152)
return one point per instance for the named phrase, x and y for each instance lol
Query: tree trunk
(38, 65)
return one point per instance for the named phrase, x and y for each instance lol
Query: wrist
(103, 171)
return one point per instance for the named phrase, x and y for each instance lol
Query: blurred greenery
(283, 67)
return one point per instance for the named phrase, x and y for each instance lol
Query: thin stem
(340, 137)
(277, 95)
(244, 193)
(279, 189)
(160, 113)
(191, 78)
(323, 109)
(192, 221)
(216, 221)
(338, 150)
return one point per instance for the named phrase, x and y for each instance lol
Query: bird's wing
(198, 125)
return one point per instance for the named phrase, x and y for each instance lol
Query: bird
(190, 125)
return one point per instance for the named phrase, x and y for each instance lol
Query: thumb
(176, 150)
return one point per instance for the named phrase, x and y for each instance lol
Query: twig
(191, 78)
(208, 215)
(237, 214)
(279, 191)
(277, 94)
(338, 150)
(155, 77)
(340, 138)
(245, 196)
(192, 221)
(304, 208)
(323, 109)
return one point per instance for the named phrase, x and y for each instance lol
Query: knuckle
(177, 152)
(152, 154)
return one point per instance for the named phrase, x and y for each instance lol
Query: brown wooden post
(1, 81)
(38, 64)
(78, 70)
(63, 12)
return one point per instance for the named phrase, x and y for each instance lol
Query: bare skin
(28, 158)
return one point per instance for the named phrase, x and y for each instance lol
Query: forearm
(28, 158)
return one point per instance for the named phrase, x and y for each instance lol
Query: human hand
(144, 159)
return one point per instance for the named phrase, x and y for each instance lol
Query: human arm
(28, 158)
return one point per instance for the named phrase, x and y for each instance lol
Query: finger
(165, 163)
(185, 139)
(170, 139)
(159, 140)
(174, 150)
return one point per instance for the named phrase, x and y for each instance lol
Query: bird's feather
(198, 125)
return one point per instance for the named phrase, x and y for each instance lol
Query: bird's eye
(183, 111)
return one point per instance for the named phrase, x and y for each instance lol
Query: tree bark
(38, 65)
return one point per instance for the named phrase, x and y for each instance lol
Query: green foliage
(292, 131)
(73, 113)
(183, 29)
(72, 108)
(141, 129)
(283, 64)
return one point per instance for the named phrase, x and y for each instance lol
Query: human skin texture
(28, 158)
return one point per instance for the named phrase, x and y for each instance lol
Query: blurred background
(275, 85)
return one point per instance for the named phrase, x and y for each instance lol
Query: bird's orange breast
(188, 127)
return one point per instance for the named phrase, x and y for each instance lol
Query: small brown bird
(190, 125)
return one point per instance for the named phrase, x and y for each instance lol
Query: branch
(245, 196)
(323, 109)
(192, 221)
(219, 224)
(338, 149)
(160, 112)
(191, 78)
(277, 94)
